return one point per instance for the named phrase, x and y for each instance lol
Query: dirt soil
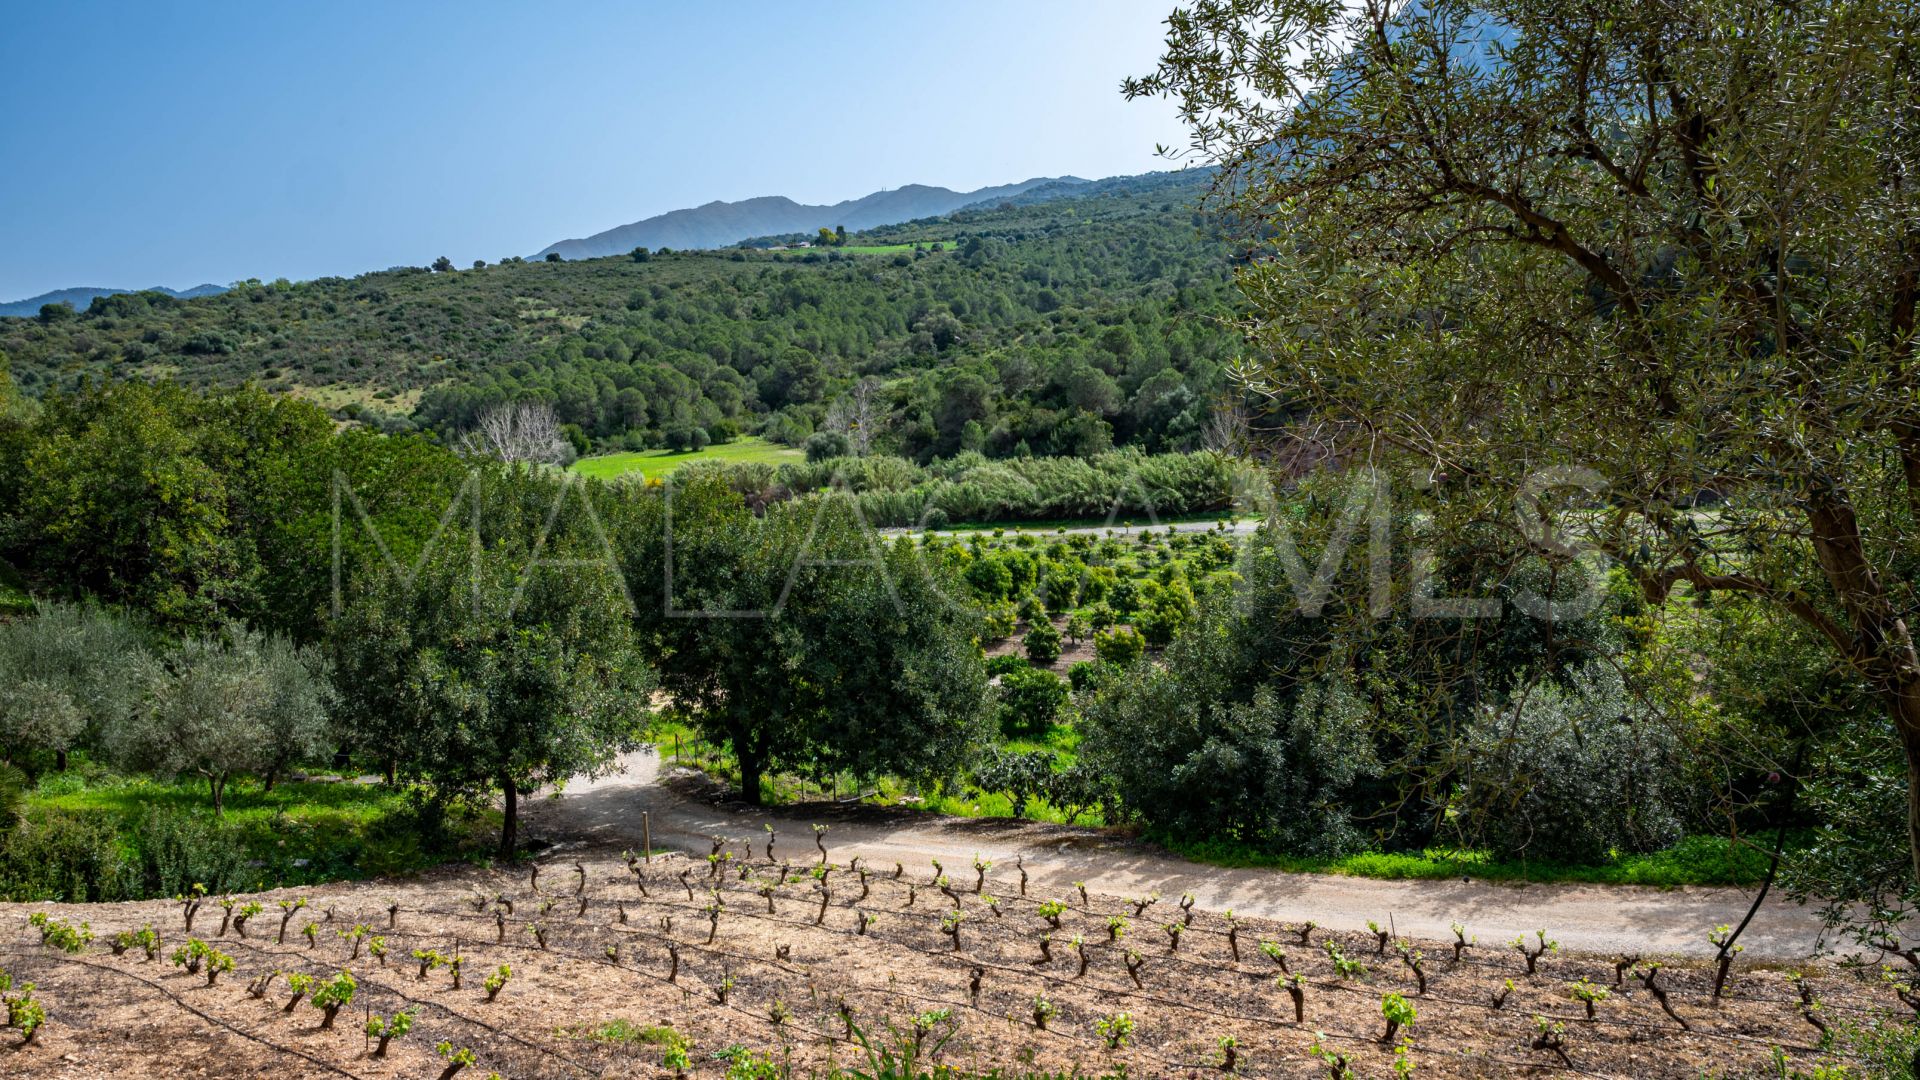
(685, 810)
(613, 960)
(612, 932)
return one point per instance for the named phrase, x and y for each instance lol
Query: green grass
(890, 249)
(13, 592)
(299, 833)
(623, 1031)
(657, 463)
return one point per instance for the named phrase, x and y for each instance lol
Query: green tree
(68, 674)
(1676, 244)
(222, 706)
(1030, 701)
(1042, 642)
(1118, 645)
(199, 508)
(801, 639)
(494, 674)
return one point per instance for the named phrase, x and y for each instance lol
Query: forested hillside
(1062, 326)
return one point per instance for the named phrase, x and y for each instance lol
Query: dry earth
(614, 960)
(125, 1016)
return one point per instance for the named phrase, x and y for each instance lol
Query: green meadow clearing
(656, 463)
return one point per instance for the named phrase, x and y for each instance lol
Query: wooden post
(646, 836)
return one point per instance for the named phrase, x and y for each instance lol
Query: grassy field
(657, 463)
(299, 833)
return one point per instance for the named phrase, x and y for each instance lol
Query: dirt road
(1585, 918)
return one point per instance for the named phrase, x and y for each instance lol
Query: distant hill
(1066, 326)
(82, 296)
(718, 224)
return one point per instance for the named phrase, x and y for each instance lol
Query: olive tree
(1572, 770)
(68, 674)
(217, 707)
(1673, 242)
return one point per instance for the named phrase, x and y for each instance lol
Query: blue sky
(174, 144)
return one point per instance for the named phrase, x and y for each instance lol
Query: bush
(176, 849)
(685, 439)
(1042, 643)
(1086, 675)
(1270, 772)
(1119, 645)
(827, 445)
(1158, 625)
(1021, 776)
(1006, 663)
(69, 858)
(1001, 621)
(1030, 702)
(1573, 771)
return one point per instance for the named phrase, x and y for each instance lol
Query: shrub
(71, 858)
(1022, 776)
(1000, 621)
(826, 446)
(1084, 675)
(1119, 645)
(1272, 772)
(1006, 663)
(1042, 642)
(1159, 623)
(1573, 770)
(1030, 701)
(178, 849)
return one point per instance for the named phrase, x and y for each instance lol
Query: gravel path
(1583, 918)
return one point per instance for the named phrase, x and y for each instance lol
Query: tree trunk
(60, 760)
(752, 765)
(215, 787)
(1905, 707)
(510, 820)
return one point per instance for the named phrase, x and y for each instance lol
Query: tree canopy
(1674, 243)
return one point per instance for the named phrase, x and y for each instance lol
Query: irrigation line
(371, 981)
(732, 885)
(749, 911)
(177, 1000)
(1124, 910)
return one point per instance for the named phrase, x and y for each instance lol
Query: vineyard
(786, 954)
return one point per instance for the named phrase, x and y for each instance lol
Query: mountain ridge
(81, 295)
(720, 223)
